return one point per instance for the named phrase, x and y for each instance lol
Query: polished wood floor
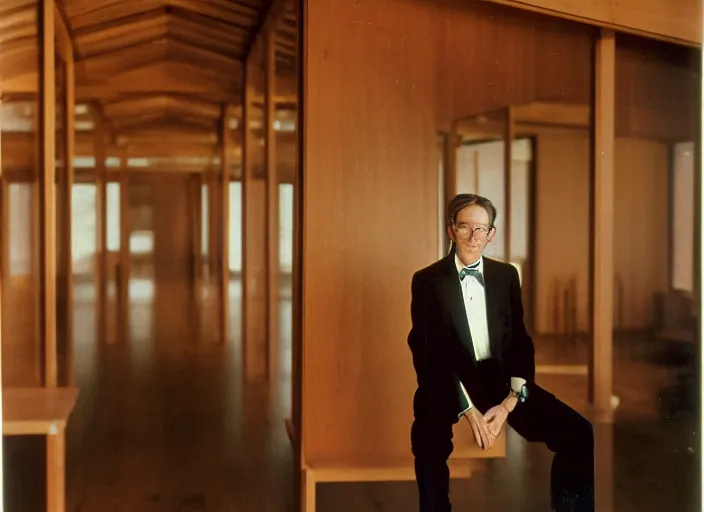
(166, 423)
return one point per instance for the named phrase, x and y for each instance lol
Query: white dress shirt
(474, 297)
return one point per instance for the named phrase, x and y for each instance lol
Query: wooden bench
(42, 411)
(465, 460)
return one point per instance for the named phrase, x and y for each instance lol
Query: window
(683, 217)
(285, 227)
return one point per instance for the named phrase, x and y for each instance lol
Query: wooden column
(47, 192)
(254, 263)
(272, 205)
(4, 236)
(66, 203)
(125, 230)
(246, 179)
(601, 368)
(508, 166)
(225, 144)
(601, 363)
(101, 241)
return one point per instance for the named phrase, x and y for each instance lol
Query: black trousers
(542, 418)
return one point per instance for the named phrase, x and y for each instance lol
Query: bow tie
(472, 270)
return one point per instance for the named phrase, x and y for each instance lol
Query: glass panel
(480, 168)
(20, 229)
(682, 249)
(84, 228)
(285, 227)
(204, 227)
(113, 216)
(235, 226)
(654, 332)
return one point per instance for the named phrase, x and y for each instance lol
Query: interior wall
(370, 195)
(172, 234)
(681, 20)
(507, 57)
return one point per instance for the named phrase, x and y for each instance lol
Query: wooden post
(4, 235)
(601, 363)
(225, 144)
(508, 166)
(603, 265)
(66, 203)
(125, 231)
(101, 232)
(272, 203)
(47, 192)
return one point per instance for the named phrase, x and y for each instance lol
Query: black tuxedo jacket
(440, 339)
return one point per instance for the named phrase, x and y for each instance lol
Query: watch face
(524, 393)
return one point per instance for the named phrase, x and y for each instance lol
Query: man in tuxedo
(475, 360)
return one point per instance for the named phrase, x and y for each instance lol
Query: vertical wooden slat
(69, 138)
(101, 234)
(601, 362)
(4, 246)
(125, 230)
(508, 166)
(246, 180)
(272, 202)
(603, 222)
(48, 193)
(225, 224)
(297, 270)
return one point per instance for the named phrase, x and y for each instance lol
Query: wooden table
(42, 411)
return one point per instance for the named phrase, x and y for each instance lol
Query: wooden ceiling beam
(101, 13)
(215, 12)
(116, 26)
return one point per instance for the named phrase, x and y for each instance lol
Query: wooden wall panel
(507, 57)
(669, 19)
(369, 220)
(172, 233)
(657, 89)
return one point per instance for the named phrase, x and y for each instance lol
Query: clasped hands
(487, 428)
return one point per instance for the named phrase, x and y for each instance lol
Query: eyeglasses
(478, 232)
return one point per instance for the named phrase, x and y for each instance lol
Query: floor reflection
(166, 423)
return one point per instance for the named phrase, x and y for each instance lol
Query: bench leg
(307, 490)
(56, 472)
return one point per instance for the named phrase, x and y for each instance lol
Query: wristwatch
(522, 395)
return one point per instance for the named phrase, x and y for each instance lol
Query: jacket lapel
(451, 294)
(492, 317)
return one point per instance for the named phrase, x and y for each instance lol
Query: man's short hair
(462, 201)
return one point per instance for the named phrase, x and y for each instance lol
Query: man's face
(471, 232)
